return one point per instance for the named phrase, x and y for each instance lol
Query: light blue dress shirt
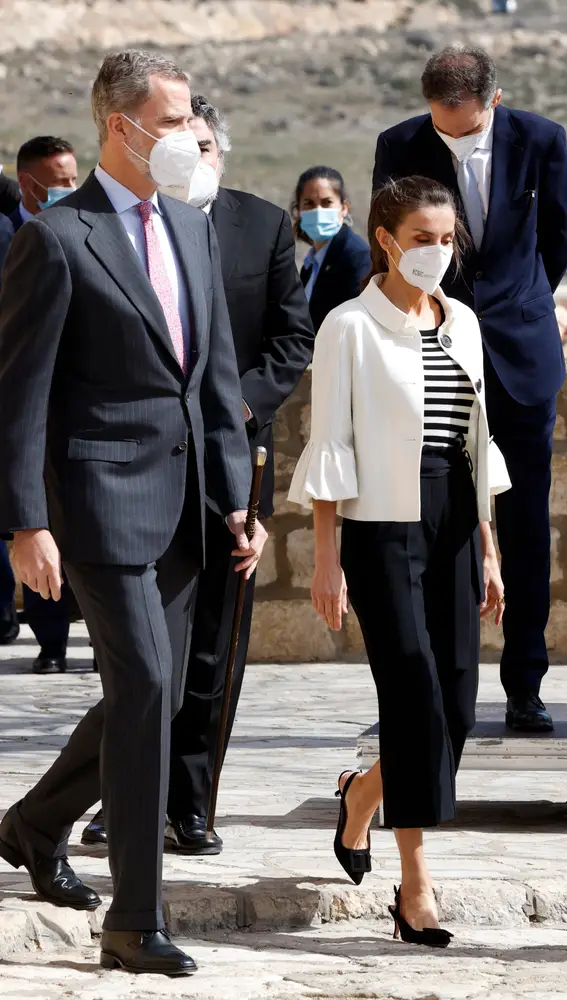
(314, 260)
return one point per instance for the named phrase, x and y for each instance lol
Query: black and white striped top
(449, 394)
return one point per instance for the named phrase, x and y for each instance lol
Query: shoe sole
(17, 861)
(173, 848)
(546, 727)
(108, 961)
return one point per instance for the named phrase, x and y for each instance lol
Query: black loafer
(528, 714)
(9, 625)
(189, 836)
(144, 951)
(53, 879)
(95, 832)
(49, 664)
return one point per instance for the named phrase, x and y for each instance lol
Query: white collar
(120, 197)
(387, 314)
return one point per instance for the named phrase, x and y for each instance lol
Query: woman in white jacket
(400, 447)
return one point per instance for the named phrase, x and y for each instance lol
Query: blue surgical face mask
(54, 194)
(321, 224)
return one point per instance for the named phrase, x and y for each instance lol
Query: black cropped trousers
(416, 589)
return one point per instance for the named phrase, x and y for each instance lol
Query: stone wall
(285, 626)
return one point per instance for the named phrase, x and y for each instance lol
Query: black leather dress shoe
(527, 714)
(9, 625)
(53, 879)
(189, 836)
(95, 832)
(49, 664)
(144, 951)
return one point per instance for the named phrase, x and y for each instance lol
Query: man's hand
(37, 562)
(250, 551)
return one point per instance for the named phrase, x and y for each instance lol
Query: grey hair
(202, 108)
(123, 83)
(458, 74)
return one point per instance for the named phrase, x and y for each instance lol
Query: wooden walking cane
(260, 456)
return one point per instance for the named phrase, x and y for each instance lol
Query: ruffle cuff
(325, 471)
(498, 478)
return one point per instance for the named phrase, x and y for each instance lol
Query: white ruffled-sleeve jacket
(367, 415)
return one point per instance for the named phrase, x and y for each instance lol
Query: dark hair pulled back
(337, 183)
(391, 205)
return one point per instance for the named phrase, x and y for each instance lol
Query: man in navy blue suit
(47, 171)
(508, 171)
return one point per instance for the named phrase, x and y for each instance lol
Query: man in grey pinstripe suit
(119, 392)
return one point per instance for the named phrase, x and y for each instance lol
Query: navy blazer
(346, 263)
(510, 281)
(6, 233)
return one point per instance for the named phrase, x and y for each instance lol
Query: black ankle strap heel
(355, 863)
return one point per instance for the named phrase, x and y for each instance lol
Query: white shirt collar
(120, 197)
(387, 314)
(24, 213)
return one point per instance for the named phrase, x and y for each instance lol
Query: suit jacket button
(180, 448)
(479, 275)
(446, 340)
(478, 385)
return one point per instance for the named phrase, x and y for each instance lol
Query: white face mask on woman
(424, 267)
(173, 159)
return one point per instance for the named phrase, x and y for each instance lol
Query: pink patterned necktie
(161, 283)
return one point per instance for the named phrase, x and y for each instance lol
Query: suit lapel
(183, 237)
(109, 243)
(229, 225)
(507, 157)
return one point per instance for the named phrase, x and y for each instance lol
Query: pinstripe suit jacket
(103, 438)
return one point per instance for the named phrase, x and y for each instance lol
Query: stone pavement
(501, 869)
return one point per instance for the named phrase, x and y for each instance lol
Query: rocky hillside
(301, 80)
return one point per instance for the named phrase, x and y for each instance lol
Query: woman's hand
(329, 591)
(493, 587)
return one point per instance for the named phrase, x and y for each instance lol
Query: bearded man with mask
(117, 375)
(508, 171)
(273, 337)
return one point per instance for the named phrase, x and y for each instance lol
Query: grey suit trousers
(139, 619)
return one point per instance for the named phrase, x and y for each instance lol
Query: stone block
(283, 506)
(353, 643)
(479, 901)
(267, 570)
(272, 906)
(289, 632)
(16, 931)
(549, 900)
(558, 499)
(49, 927)
(301, 557)
(195, 909)
(557, 572)
(491, 636)
(556, 633)
(305, 424)
(560, 428)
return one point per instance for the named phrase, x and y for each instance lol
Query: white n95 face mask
(201, 190)
(424, 267)
(173, 159)
(463, 148)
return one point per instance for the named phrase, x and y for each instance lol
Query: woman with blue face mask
(338, 259)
